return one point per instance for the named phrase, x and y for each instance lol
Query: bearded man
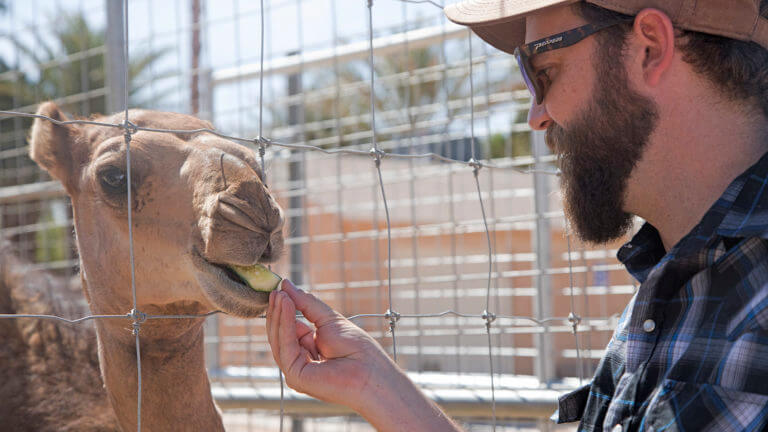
(656, 109)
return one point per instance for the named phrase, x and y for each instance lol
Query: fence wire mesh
(384, 134)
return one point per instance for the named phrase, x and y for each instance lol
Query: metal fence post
(115, 62)
(544, 366)
(213, 345)
(297, 180)
(206, 89)
(194, 88)
(544, 362)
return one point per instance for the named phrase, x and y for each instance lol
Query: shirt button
(649, 326)
(617, 428)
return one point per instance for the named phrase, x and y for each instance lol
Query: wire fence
(475, 239)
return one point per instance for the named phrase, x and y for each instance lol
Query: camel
(49, 370)
(199, 204)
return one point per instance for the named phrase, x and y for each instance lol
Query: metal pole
(206, 94)
(543, 366)
(194, 88)
(296, 181)
(297, 424)
(213, 345)
(115, 60)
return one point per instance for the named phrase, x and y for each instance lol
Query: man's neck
(696, 151)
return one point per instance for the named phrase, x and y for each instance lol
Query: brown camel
(49, 371)
(198, 205)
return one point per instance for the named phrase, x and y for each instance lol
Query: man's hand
(338, 362)
(334, 361)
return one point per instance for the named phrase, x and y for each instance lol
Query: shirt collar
(741, 211)
(642, 253)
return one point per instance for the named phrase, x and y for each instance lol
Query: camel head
(199, 204)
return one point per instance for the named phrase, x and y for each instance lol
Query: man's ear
(53, 146)
(656, 35)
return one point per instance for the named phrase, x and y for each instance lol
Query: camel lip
(217, 269)
(228, 272)
(224, 284)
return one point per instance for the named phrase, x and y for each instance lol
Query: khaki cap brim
(500, 23)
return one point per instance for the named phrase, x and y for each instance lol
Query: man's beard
(598, 151)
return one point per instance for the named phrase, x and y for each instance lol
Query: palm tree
(319, 115)
(68, 65)
(408, 100)
(72, 62)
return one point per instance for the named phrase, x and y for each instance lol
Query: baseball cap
(501, 23)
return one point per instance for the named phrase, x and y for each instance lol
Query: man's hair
(738, 69)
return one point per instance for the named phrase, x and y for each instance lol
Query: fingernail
(283, 298)
(288, 284)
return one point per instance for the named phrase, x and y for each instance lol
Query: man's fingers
(270, 305)
(273, 324)
(290, 351)
(313, 309)
(306, 336)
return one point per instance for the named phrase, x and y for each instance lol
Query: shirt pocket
(683, 406)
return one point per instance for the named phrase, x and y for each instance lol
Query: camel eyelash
(112, 180)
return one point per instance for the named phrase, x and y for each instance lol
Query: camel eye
(113, 180)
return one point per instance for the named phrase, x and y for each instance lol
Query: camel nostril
(274, 247)
(268, 254)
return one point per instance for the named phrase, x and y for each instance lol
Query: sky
(233, 26)
(232, 38)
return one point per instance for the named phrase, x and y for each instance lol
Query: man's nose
(538, 117)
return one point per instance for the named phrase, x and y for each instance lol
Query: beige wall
(346, 265)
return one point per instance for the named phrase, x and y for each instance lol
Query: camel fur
(198, 204)
(49, 370)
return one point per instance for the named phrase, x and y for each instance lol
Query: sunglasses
(567, 38)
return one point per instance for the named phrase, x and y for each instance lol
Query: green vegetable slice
(258, 277)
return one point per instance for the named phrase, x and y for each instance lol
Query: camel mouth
(224, 272)
(228, 272)
(227, 290)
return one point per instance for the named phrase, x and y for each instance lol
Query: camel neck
(176, 393)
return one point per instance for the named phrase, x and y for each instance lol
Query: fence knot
(489, 318)
(393, 318)
(130, 128)
(475, 164)
(262, 143)
(575, 320)
(376, 154)
(138, 318)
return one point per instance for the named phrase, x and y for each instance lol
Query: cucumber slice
(258, 277)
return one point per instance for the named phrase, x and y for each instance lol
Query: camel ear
(52, 146)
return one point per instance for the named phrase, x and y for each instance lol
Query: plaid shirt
(690, 352)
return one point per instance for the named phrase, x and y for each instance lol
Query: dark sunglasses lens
(524, 72)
